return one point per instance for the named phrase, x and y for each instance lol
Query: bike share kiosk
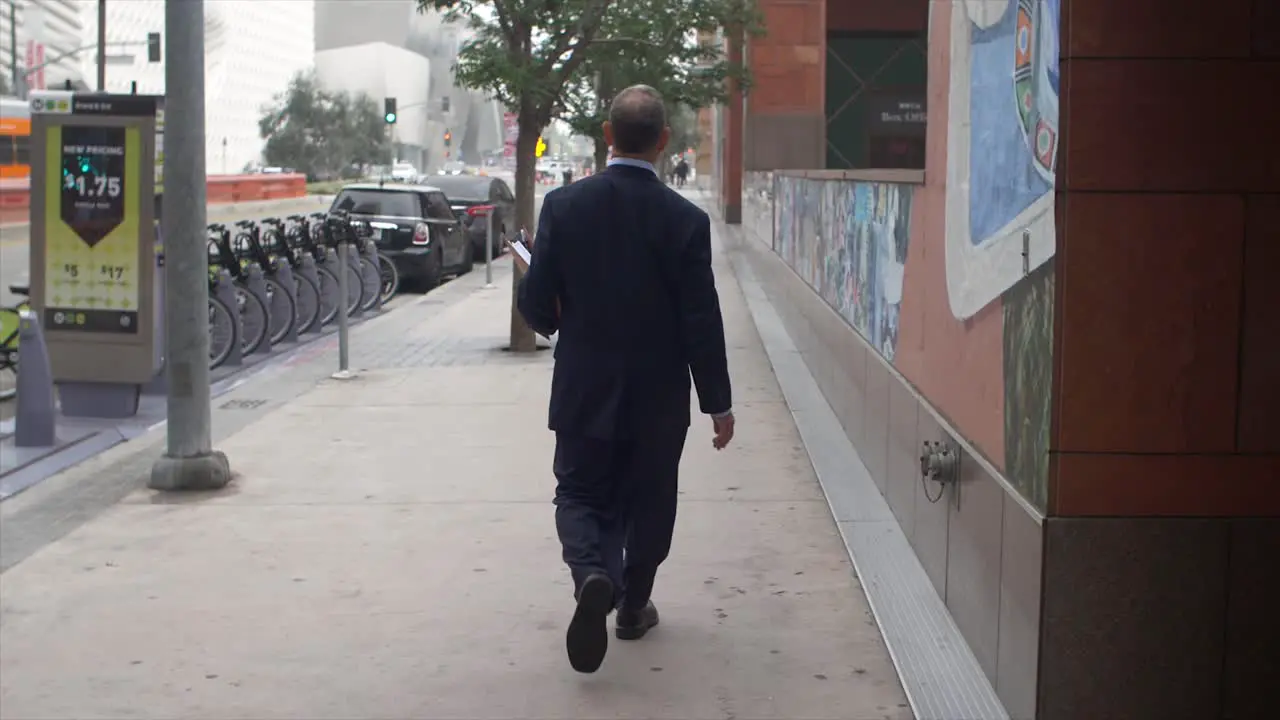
(93, 246)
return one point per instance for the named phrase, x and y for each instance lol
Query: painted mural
(1002, 146)
(1002, 153)
(848, 241)
(980, 351)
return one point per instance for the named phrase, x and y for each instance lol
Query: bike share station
(91, 353)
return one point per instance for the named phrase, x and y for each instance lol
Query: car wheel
(431, 279)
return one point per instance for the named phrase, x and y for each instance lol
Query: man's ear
(608, 133)
(663, 139)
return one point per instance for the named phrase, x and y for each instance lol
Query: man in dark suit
(621, 269)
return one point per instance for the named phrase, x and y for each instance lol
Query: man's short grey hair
(638, 117)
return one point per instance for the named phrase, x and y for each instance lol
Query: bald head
(638, 120)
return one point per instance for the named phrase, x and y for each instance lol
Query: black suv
(414, 226)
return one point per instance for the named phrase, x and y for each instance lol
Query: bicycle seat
(246, 224)
(217, 227)
(272, 221)
(20, 289)
(297, 218)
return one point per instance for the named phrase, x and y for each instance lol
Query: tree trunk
(601, 155)
(522, 336)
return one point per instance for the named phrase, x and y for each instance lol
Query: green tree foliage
(523, 53)
(322, 133)
(654, 42)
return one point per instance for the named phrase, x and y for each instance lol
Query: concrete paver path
(388, 551)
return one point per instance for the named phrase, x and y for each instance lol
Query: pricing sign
(91, 257)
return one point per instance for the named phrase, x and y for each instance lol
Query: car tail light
(421, 234)
(479, 210)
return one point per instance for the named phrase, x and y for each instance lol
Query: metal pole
(190, 462)
(344, 347)
(19, 83)
(488, 250)
(102, 42)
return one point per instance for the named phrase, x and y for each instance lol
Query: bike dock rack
(308, 270)
(257, 285)
(225, 291)
(36, 422)
(283, 273)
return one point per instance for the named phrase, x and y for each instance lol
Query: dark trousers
(616, 507)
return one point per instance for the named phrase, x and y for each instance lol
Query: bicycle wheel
(355, 289)
(9, 321)
(369, 292)
(328, 296)
(283, 311)
(254, 321)
(222, 332)
(308, 296)
(390, 278)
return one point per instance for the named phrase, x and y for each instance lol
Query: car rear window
(379, 202)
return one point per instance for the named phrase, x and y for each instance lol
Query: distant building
(430, 105)
(359, 22)
(381, 71)
(252, 51)
(49, 31)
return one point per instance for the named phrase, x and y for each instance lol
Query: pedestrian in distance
(621, 269)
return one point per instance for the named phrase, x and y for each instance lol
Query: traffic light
(540, 148)
(389, 110)
(448, 138)
(153, 47)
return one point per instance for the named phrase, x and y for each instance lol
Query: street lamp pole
(102, 45)
(189, 462)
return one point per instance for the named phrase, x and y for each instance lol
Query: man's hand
(515, 256)
(723, 426)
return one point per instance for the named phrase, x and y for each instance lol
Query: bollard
(256, 283)
(371, 274)
(343, 321)
(36, 413)
(284, 276)
(308, 270)
(225, 290)
(488, 250)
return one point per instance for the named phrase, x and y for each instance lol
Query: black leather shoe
(633, 624)
(588, 638)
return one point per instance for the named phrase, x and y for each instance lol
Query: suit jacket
(629, 261)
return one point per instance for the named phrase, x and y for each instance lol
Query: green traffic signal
(391, 117)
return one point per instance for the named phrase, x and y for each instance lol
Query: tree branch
(588, 26)
(504, 23)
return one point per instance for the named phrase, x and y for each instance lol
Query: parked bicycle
(336, 231)
(306, 236)
(390, 278)
(254, 316)
(282, 310)
(224, 332)
(10, 324)
(271, 249)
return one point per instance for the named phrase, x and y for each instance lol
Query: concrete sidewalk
(388, 551)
